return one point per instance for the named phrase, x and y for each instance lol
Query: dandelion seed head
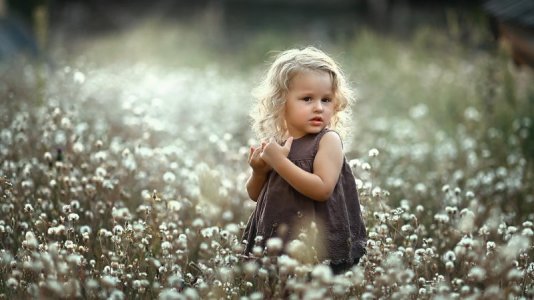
(449, 256)
(472, 114)
(174, 205)
(28, 208)
(250, 268)
(209, 231)
(514, 274)
(406, 228)
(75, 259)
(373, 152)
(477, 274)
(419, 209)
(12, 283)
(420, 188)
(228, 215)
(66, 209)
(232, 228)
(449, 266)
(451, 210)
(122, 213)
(511, 230)
(182, 241)
(191, 293)
(354, 163)
(274, 245)
(226, 274)
(52, 231)
(66, 123)
(69, 245)
(359, 183)
(31, 240)
(466, 242)
(467, 221)
(198, 223)
(530, 269)
(322, 273)
(166, 245)
(78, 148)
(296, 248)
(257, 251)
(515, 245)
(118, 230)
(376, 191)
(169, 177)
(101, 172)
(125, 153)
(78, 77)
(484, 230)
(441, 218)
(256, 296)
(420, 252)
(47, 156)
(73, 217)
(527, 232)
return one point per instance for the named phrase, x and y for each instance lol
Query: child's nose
(318, 106)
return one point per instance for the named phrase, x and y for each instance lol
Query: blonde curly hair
(268, 112)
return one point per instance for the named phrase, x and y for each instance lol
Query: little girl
(299, 173)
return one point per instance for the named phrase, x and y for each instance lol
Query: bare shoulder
(329, 158)
(331, 141)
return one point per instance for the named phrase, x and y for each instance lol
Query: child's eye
(327, 100)
(307, 99)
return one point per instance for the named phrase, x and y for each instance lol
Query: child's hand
(273, 152)
(255, 161)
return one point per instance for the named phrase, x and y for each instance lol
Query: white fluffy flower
(274, 245)
(166, 245)
(73, 217)
(373, 152)
(323, 273)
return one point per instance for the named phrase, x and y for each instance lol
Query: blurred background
(227, 27)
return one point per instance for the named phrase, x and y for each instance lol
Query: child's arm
(254, 185)
(318, 185)
(260, 170)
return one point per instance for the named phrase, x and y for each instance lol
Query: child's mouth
(316, 121)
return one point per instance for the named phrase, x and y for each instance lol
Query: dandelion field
(123, 177)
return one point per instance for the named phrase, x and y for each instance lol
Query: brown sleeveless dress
(282, 211)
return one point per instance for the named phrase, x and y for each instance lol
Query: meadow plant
(125, 203)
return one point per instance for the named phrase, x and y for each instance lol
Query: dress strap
(318, 138)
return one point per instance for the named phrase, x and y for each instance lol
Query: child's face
(309, 103)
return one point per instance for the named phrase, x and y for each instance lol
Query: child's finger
(251, 152)
(257, 151)
(288, 143)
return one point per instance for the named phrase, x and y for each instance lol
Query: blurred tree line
(338, 19)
